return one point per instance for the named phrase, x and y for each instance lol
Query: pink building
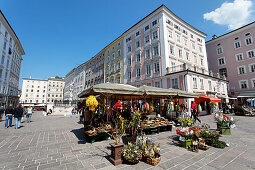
(233, 55)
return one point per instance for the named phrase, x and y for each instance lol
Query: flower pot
(187, 143)
(225, 130)
(131, 162)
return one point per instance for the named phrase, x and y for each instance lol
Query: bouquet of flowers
(187, 132)
(131, 153)
(118, 106)
(185, 121)
(92, 103)
(224, 121)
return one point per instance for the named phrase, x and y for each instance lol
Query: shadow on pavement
(80, 135)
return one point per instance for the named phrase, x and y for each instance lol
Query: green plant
(218, 144)
(131, 153)
(239, 110)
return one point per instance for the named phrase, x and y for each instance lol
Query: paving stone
(51, 165)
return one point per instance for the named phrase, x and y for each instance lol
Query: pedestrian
(29, 113)
(8, 116)
(24, 113)
(1, 113)
(18, 112)
(73, 111)
(199, 109)
(194, 111)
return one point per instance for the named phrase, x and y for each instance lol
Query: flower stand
(187, 143)
(225, 130)
(116, 154)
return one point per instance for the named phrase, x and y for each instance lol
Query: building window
(148, 84)
(223, 72)
(137, 44)
(170, 34)
(200, 49)
(129, 75)
(210, 85)
(129, 49)
(147, 28)
(129, 61)
(243, 84)
(118, 79)
(237, 44)
(137, 33)
(218, 86)
(155, 50)
(156, 67)
(1, 72)
(194, 83)
(253, 83)
(118, 52)
(118, 65)
(157, 84)
(127, 40)
(195, 59)
(239, 57)
(112, 68)
(4, 45)
(113, 56)
(173, 66)
(201, 84)
(187, 56)
(147, 39)
(171, 49)
(248, 41)
(138, 72)
(193, 45)
(147, 53)
(108, 59)
(178, 38)
(219, 50)
(252, 67)
(241, 70)
(180, 53)
(2, 61)
(138, 58)
(174, 83)
(202, 60)
(250, 54)
(154, 22)
(155, 35)
(148, 69)
(185, 41)
(221, 61)
(48, 95)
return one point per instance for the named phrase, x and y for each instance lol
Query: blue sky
(58, 35)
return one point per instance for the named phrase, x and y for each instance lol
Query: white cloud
(233, 14)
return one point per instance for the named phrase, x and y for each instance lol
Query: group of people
(18, 113)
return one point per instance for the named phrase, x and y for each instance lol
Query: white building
(11, 52)
(69, 85)
(39, 92)
(34, 92)
(55, 90)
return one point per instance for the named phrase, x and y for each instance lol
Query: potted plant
(186, 135)
(131, 154)
(224, 123)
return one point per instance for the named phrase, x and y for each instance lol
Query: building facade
(39, 92)
(69, 85)
(55, 90)
(114, 61)
(34, 92)
(233, 55)
(11, 52)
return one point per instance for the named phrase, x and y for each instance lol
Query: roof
(163, 6)
(34, 79)
(23, 52)
(230, 32)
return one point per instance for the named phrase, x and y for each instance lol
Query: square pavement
(55, 142)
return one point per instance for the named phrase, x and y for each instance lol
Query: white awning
(247, 94)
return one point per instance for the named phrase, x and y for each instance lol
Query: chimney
(214, 37)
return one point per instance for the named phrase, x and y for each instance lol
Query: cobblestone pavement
(58, 143)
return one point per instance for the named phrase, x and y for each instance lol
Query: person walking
(29, 113)
(18, 112)
(194, 111)
(24, 113)
(1, 113)
(8, 116)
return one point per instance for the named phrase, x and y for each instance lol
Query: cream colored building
(55, 89)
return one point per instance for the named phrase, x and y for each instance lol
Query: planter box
(225, 130)
(187, 143)
(115, 158)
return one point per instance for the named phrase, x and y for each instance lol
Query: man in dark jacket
(8, 116)
(18, 112)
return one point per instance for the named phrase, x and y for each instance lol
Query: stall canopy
(110, 88)
(203, 98)
(246, 95)
(155, 91)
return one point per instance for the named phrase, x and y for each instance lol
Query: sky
(58, 35)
